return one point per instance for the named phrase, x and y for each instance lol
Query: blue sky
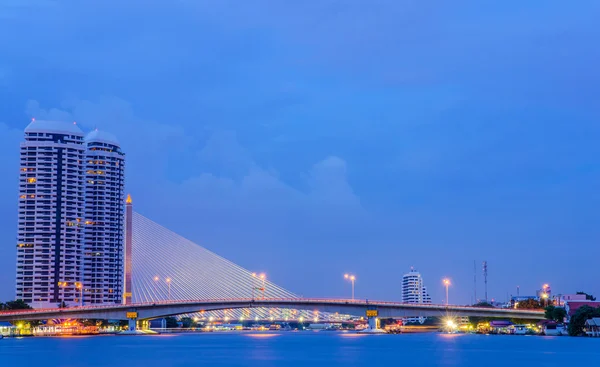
(311, 138)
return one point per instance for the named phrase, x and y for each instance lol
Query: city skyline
(333, 138)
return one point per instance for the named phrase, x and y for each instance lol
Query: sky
(308, 139)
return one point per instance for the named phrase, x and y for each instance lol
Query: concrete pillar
(132, 325)
(373, 323)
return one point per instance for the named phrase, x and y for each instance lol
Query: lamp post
(168, 280)
(79, 286)
(263, 278)
(447, 284)
(253, 287)
(351, 278)
(62, 299)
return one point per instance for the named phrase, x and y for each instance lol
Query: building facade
(104, 219)
(413, 291)
(50, 233)
(70, 223)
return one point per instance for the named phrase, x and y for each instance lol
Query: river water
(300, 349)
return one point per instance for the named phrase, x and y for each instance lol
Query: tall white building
(50, 213)
(70, 227)
(104, 219)
(413, 291)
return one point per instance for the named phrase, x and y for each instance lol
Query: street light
(263, 278)
(62, 285)
(447, 284)
(545, 294)
(352, 278)
(79, 286)
(168, 280)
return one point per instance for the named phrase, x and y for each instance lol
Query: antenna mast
(485, 278)
(475, 280)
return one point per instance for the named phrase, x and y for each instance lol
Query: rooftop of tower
(60, 127)
(102, 137)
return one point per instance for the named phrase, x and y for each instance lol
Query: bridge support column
(373, 323)
(132, 325)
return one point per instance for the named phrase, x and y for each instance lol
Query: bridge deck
(343, 306)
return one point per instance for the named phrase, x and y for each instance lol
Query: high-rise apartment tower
(70, 224)
(50, 232)
(413, 291)
(104, 219)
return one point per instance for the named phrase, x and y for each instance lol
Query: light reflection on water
(261, 335)
(299, 349)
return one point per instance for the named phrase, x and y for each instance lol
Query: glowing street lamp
(545, 295)
(351, 278)
(447, 284)
(168, 280)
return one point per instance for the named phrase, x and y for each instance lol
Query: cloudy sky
(311, 138)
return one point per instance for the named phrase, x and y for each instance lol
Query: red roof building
(572, 306)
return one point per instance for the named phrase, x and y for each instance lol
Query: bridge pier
(373, 327)
(373, 322)
(132, 326)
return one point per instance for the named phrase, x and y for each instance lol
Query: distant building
(572, 306)
(571, 297)
(592, 327)
(413, 291)
(545, 293)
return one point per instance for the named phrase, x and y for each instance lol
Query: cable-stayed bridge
(171, 275)
(168, 267)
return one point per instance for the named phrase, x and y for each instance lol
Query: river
(300, 349)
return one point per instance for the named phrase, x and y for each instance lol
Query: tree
(476, 320)
(16, 305)
(94, 322)
(577, 322)
(560, 314)
(484, 304)
(553, 313)
(549, 312)
(529, 304)
(588, 297)
(171, 322)
(188, 322)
